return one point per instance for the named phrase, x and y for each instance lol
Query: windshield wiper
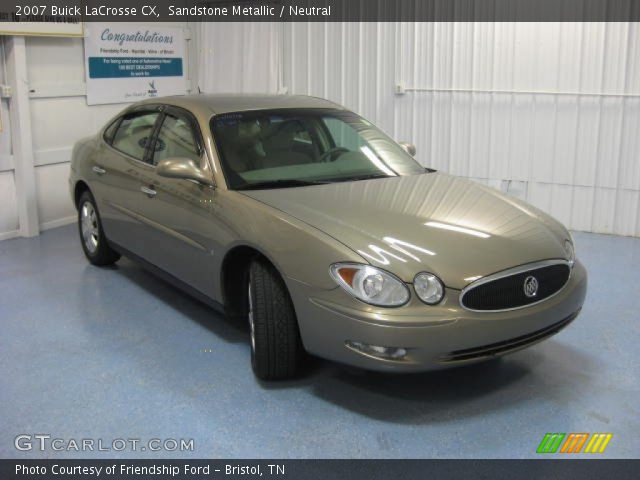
(283, 183)
(369, 176)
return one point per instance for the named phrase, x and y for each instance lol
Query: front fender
(299, 251)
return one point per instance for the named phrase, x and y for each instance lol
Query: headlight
(571, 253)
(428, 287)
(371, 285)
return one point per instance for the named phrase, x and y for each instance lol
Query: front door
(179, 222)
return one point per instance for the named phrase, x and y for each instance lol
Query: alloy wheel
(89, 227)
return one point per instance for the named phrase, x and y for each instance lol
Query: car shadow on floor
(228, 329)
(540, 373)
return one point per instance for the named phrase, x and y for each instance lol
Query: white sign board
(127, 63)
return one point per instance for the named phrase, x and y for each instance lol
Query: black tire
(276, 348)
(96, 249)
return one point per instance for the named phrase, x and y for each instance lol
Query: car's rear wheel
(94, 243)
(276, 349)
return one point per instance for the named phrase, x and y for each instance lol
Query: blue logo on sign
(153, 91)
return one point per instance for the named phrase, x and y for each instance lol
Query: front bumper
(434, 337)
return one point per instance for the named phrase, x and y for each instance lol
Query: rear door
(117, 170)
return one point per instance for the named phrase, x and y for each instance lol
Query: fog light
(387, 353)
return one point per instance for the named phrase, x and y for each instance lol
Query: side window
(176, 139)
(134, 133)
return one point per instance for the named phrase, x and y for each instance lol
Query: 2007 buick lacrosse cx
(326, 235)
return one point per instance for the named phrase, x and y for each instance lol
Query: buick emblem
(530, 286)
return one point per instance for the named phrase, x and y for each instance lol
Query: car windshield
(298, 147)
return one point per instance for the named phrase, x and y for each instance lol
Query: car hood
(454, 228)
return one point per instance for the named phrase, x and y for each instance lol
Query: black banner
(320, 10)
(319, 469)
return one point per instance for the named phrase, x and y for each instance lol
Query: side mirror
(410, 148)
(185, 168)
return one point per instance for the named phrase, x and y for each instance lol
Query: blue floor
(117, 354)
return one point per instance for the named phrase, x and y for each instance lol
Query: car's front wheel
(94, 243)
(276, 349)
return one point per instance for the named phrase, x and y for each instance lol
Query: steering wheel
(330, 155)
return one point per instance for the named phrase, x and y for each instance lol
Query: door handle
(150, 192)
(99, 170)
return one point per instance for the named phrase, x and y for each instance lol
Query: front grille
(508, 291)
(506, 346)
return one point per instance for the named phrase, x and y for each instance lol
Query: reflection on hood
(454, 228)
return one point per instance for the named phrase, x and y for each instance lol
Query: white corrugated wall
(239, 57)
(549, 112)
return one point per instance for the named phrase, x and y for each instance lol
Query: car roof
(225, 103)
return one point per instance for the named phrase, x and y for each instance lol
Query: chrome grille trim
(515, 271)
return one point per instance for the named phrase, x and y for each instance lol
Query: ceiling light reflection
(456, 228)
(381, 255)
(472, 279)
(398, 244)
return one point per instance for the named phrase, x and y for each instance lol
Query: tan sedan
(321, 231)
